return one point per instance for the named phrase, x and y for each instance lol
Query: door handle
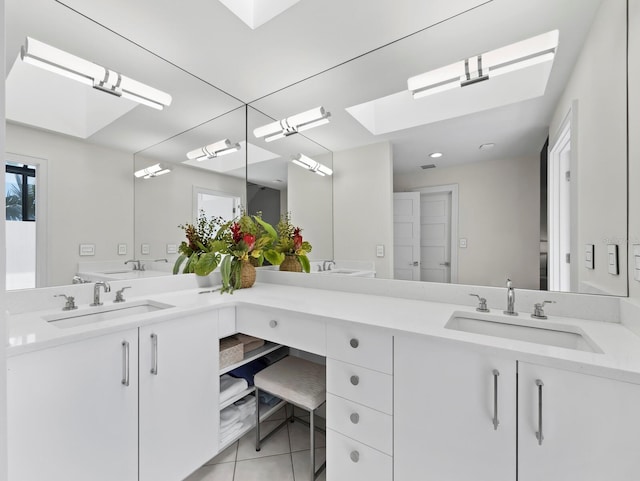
(154, 354)
(414, 263)
(539, 435)
(496, 422)
(125, 363)
(447, 264)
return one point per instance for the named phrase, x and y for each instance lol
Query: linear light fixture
(63, 63)
(532, 51)
(222, 147)
(312, 165)
(293, 125)
(151, 171)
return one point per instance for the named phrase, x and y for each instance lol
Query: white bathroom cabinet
(179, 396)
(71, 414)
(444, 410)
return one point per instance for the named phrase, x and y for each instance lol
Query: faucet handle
(70, 304)
(482, 303)
(119, 294)
(538, 309)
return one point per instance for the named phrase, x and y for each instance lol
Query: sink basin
(569, 337)
(92, 315)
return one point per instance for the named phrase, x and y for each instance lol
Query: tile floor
(283, 457)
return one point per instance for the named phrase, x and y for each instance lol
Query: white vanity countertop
(621, 347)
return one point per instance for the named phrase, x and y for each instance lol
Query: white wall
(363, 196)
(634, 141)
(90, 197)
(3, 330)
(499, 215)
(599, 139)
(21, 264)
(163, 203)
(310, 201)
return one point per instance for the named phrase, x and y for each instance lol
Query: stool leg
(312, 444)
(257, 394)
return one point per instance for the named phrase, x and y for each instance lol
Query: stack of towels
(233, 418)
(230, 386)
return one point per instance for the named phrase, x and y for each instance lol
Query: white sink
(529, 330)
(103, 313)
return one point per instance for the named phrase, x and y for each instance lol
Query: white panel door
(406, 236)
(590, 427)
(179, 400)
(435, 239)
(70, 416)
(444, 411)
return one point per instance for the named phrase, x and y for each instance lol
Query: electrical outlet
(463, 242)
(145, 249)
(122, 249)
(172, 249)
(380, 250)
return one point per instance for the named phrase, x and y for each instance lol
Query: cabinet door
(444, 408)
(71, 417)
(179, 385)
(590, 426)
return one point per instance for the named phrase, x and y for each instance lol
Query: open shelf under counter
(267, 348)
(249, 423)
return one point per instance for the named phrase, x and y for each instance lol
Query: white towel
(230, 386)
(246, 406)
(229, 416)
(230, 433)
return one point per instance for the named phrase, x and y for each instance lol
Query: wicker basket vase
(247, 275)
(291, 264)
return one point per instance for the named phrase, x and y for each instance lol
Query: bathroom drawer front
(373, 389)
(360, 345)
(361, 423)
(291, 329)
(367, 463)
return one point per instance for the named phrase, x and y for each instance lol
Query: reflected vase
(247, 275)
(291, 264)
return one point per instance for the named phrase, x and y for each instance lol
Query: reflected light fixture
(293, 125)
(63, 63)
(435, 155)
(310, 164)
(519, 55)
(211, 151)
(151, 171)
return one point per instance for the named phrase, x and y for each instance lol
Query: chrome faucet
(326, 265)
(511, 300)
(137, 265)
(96, 292)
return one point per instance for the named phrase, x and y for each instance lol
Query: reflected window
(20, 192)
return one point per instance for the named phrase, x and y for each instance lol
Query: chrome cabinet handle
(273, 323)
(355, 456)
(125, 363)
(355, 380)
(355, 418)
(539, 435)
(354, 343)
(496, 422)
(154, 354)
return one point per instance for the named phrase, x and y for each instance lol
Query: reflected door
(406, 236)
(435, 237)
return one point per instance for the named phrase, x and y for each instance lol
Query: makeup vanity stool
(299, 382)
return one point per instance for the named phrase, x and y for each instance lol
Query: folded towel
(230, 386)
(249, 342)
(268, 399)
(229, 416)
(246, 406)
(230, 433)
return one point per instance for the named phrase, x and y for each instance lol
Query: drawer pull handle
(496, 422)
(355, 380)
(273, 323)
(154, 354)
(355, 456)
(354, 343)
(355, 418)
(125, 363)
(539, 435)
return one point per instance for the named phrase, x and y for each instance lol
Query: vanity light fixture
(310, 164)
(63, 63)
(151, 171)
(293, 125)
(532, 51)
(211, 151)
(487, 146)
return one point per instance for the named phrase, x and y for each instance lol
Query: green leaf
(304, 262)
(207, 263)
(191, 263)
(267, 227)
(225, 271)
(179, 261)
(274, 257)
(217, 246)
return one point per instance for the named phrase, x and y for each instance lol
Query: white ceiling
(334, 53)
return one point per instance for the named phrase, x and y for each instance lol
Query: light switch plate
(172, 249)
(122, 249)
(380, 250)
(612, 258)
(463, 242)
(87, 249)
(588, 255)
(145, 249)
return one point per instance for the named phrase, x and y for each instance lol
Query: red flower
(235, 231)
(250, 240)
(297, 241)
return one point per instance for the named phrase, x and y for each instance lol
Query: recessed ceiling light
(435, 155)
(487, 146)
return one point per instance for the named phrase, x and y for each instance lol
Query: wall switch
(588, 255)
(145, 249)
(612, 258)
(172, 249)
(380, 250)
(463, 242)
(122, 249)
(87, 249)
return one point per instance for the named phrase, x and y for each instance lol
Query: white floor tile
(299, 437)
(226, 456)
(216, 472)
(271, 468)
(277, 444)
(301, 465)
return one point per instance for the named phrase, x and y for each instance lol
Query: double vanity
(130, 390)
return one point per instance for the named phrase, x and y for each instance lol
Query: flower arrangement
(201, 250)
(289, 242)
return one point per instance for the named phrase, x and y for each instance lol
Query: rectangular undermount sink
(569, 337)
(103, 313)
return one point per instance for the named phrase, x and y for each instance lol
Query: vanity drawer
(349, 459)
(359, 384)
(360, 345)
(290, 329)
(361, 423)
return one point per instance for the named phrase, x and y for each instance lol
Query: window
(20, 192)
